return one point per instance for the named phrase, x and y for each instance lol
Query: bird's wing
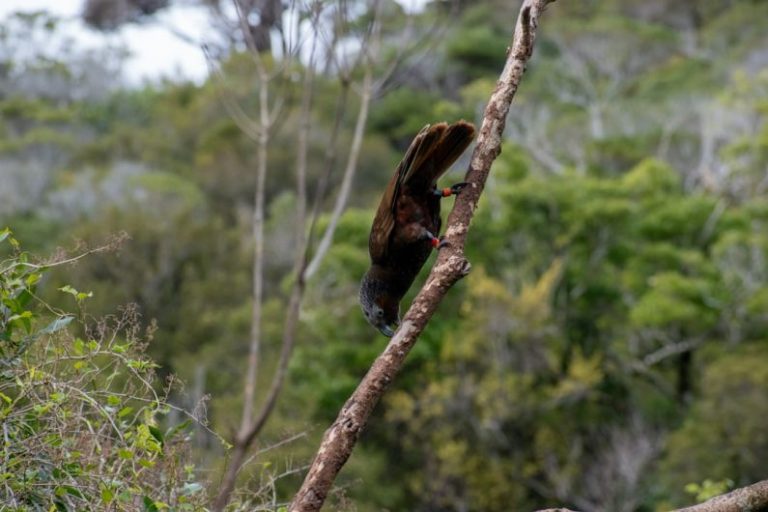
(443, 148)
(384, 222)
(431, 153)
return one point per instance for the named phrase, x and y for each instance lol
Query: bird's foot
(438, 242)
(435, 241)
(450, 191)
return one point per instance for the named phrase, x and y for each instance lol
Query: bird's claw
(439, 242)
(451, 191)
(457, 188)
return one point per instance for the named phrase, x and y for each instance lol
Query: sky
(155, 51)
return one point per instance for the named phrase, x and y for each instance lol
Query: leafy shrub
(80, 410)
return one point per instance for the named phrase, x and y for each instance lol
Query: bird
(407, 222)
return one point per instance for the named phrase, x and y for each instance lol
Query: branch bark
(753, 498)
(451, 265)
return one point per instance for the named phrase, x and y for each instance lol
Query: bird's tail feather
(434, 150)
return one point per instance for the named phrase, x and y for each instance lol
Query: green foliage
(402, 112)
(81, 418)
(479, 43)
(708, 489)
(724, 436)
(606, 353)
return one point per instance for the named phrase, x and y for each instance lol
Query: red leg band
(447, 192)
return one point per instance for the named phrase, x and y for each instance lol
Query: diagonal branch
(451, 265)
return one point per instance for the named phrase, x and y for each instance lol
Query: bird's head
(379, 307)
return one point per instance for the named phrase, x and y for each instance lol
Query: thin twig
(349, 174)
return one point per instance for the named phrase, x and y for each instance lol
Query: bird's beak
(388, 330)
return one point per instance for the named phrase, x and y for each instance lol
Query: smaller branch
(243, 121)
(248, 38)
(349, 173)
(668, 351)
(330, 159)
(251, 425)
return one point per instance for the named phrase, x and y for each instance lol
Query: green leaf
(23, 298)
(78, 295)
(24, 314)
(32, 279)
(68, 289)
(192, 488)
(157, 434)
(107, 495)
(149, 504)
(171, 432)
(4, 233)
(72, 491)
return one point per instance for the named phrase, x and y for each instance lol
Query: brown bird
(407, 223)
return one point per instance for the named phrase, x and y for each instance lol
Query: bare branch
(243, 121)
(451, 265)
(753, 498)
(670, 350)
(330, 158)
(250, 426)
(349, 174)
(292, 316)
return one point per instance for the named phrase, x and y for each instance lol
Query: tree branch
(753, 498)
(451, 265)
(346, 182)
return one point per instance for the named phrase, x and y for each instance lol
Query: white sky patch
(155, 50)
(412, 6)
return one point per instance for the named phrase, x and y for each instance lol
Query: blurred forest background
(609, 351)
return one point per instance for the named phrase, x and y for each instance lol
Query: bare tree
(365, 60)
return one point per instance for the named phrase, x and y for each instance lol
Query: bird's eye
(380, 313)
